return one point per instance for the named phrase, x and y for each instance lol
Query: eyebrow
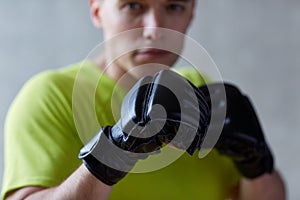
(180, 0)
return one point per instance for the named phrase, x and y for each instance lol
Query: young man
(42, 138)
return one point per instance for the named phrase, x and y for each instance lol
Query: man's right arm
(113, 146)
(79, 185)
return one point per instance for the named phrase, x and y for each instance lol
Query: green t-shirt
(57, 111)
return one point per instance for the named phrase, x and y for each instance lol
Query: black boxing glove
(150, 115)
(112, 152)
(187, 111)
(242, 138)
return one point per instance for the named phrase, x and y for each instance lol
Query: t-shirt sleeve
(40, 145)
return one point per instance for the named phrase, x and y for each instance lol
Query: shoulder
(54, 83)
(49, 80)
(43, 93)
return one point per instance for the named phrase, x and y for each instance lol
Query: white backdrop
(254, 43)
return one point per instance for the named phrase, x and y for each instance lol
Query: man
(42, 139)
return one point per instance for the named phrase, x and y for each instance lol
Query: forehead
(155, 1)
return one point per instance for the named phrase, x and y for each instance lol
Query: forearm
(80, 185)
(268, 186)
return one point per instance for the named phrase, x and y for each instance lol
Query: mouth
(151, 54)
(151, 50)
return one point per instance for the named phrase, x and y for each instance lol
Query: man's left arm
(268, 186)
(265, 187)
(243, 141)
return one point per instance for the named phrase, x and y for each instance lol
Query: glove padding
(242, 138)
(151, 114)
(187, 112)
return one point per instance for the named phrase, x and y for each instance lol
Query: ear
(95, 12)
(194, 8)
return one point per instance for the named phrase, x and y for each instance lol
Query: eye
(133, 6)
(175, 7)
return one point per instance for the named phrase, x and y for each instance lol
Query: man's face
(147, 22)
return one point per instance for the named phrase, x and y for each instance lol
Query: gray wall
(254, 43)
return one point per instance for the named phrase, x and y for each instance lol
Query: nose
(153, 21)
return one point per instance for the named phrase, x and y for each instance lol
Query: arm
(80, 185)
(267, 186)
(242, 140)
(89, 181)
(94, 179)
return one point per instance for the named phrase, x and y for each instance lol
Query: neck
(115, 72)
(128, 78)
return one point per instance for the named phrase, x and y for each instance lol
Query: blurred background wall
(254, 43)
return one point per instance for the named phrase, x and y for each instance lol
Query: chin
(148, 69)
